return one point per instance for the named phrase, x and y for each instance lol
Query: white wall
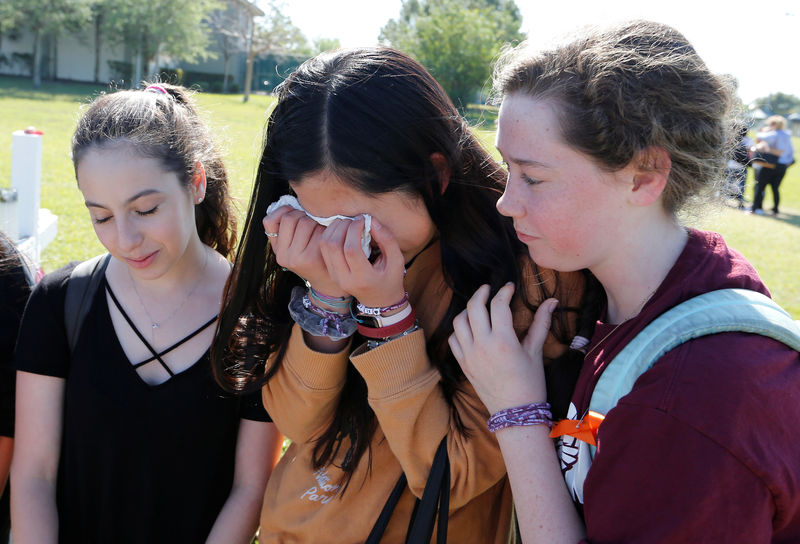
(76, 57)
(23, 45)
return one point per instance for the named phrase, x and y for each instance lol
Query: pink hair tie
(157, 89)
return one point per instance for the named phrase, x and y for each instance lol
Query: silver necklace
(156, 324)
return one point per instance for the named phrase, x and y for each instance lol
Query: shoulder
(42, 344)
(57, 279)
(709, 263)
(52, 287)
(741, 391)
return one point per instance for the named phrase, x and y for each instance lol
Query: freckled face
(324, 194)
(566, 209)
(141, 213)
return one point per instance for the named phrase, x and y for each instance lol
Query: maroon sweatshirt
(705, 448)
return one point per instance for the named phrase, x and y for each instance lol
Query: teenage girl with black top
(126, 437)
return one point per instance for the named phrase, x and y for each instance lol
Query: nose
(509, 204)
(128, 235)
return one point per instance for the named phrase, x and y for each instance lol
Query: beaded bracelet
(378, 311)
(319, 322)
(528, 414)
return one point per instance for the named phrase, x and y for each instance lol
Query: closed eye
(101, 220)
(149, 212)
(530, 181)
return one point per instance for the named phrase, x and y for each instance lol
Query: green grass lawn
(771, 244)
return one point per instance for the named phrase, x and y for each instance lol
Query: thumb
(388, 244)
(540, 328)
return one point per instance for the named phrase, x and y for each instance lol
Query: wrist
(383, 311)
(536, 413)
(326, 289)
(339, 305)
(395, 311)
(382, 327)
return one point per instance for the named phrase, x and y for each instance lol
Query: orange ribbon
(584, 429)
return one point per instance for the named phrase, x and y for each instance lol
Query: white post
(36, 227)
(26, 177)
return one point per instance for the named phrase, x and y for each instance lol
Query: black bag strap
(436, 494)
(383, 519)
(82, 285)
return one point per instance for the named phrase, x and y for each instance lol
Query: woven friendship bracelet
(333, 302)
(528, 414)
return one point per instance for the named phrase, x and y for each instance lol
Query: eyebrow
(140, 194)
(529, 162)
(524, 162)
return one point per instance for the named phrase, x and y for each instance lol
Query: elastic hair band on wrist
(537, 413)
(319, 322)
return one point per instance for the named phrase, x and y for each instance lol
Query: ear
(199, 183)
(650, 174)
(442, 169)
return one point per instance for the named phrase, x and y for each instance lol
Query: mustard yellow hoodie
(302, 505)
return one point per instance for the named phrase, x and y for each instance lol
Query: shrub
(121, 70)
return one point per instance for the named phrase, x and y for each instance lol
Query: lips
(526, 238)
(142, 262)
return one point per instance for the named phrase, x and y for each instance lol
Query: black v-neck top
(139, 463)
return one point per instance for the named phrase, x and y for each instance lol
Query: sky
(759, 43)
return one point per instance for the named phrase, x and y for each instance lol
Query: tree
(274, 33)
(43, 17)
(779, 103)
(232, 33)
(160, 27)
(455, 40)
(9, 22)
(325, 44)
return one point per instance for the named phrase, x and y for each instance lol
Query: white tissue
(289, 200)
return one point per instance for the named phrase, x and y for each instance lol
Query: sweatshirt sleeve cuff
(315, 370)
(396, 366)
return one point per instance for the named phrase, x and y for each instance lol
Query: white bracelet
(395, 318)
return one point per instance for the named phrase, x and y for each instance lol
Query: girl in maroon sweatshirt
(606, 139)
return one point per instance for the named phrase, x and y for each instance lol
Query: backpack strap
(81, 287)
(724, 310)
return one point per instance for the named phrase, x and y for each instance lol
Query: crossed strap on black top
(156, 356)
